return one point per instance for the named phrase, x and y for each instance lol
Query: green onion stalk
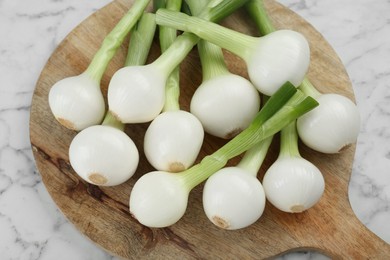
(115, 38)
(167, 36)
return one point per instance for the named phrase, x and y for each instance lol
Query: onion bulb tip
(97, 178)
(176, 167)
(220, 222)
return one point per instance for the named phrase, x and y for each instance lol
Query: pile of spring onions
(224, 105)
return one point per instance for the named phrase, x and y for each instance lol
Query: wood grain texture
(101, 213)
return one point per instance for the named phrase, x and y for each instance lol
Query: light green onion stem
(283, 107)
(184, 43)
(256, 10)
(259, 15)
(167, 36)
(309, 89)
(254, 157)
(216, 10)
(196, 6)
(176, 53)
(114, 39)
(240, 44)
(289, 141)
(139, 46)
(212, 60)
(141, 39)
(212, 10)
(211, 56)
(110, 120)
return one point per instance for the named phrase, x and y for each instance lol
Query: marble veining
(31, 225)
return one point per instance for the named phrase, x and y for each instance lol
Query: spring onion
(225, 103)
(335, 123)
(136, 93)
(103, 154)
(77, 102)
(173, 140)
(173, 129)
(159, 199)
(271, 60)
(292, 183)
(233, 197)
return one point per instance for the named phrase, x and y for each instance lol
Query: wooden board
(102, 213)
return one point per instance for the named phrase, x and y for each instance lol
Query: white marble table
(31, 227)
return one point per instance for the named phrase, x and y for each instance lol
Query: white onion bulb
(103, 155)
(158, 199)
(334, 124)
(136, 93)
(225, 105)
(293, 184)
(77, 102)
(280, 56)
(233, 198)
(173, 140)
